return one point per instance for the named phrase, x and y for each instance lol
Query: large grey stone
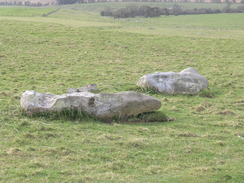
(188, 81)
(101, 106)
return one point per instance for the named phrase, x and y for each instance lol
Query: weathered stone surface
(124, 104)
(187, 81)
(89, 88)
(102, 106)
(34, 102)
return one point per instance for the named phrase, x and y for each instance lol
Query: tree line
(24, 3)
(131, 11)
(185, 1)
(154, 11)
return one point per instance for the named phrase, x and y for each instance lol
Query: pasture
(75, 47)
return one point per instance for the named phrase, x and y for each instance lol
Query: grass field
(75, 47)
(24, 11)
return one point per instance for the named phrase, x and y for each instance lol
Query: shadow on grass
(204, 93)
(78, 116)
(65, 115)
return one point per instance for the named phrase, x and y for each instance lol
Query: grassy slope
(23, 11)
(203, 144)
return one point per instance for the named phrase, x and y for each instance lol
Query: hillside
(201, 142)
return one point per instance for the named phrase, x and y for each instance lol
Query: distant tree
(67, 1)
(165, 11)
(240, 8)
(132, 10)
(176, 9)
(216, 1)
(27, 3)
(147, 11)
(227, 7)
(107, 12)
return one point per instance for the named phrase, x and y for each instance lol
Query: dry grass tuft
(225, 112)
(13, 151)
(187, 134)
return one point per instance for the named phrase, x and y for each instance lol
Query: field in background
(23, 11)
(74, 47)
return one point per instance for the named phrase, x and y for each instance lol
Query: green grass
(24, 11)
(72, 48)
(224, 26)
